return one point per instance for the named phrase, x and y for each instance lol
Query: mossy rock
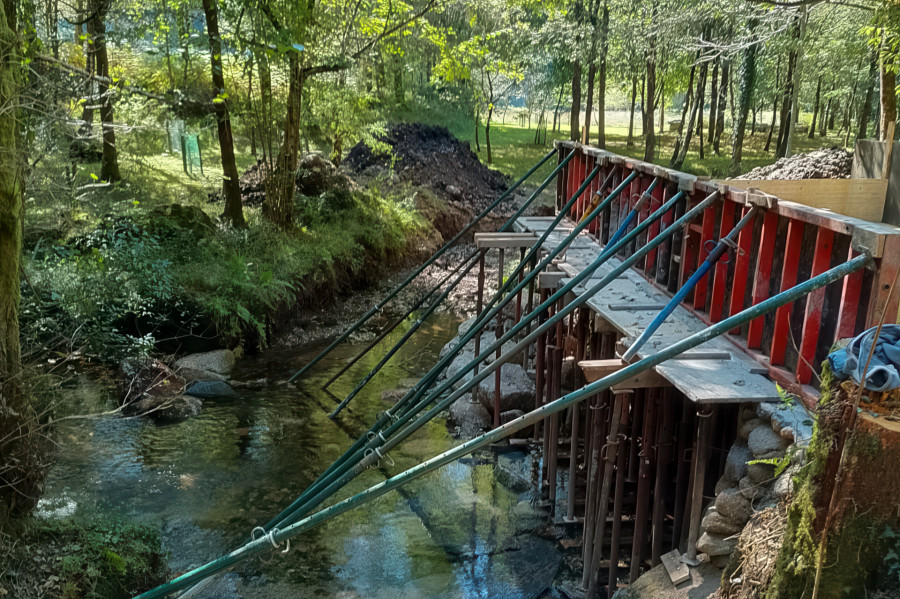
(314, 175)
(190, 218)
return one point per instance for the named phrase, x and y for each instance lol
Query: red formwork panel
(763, 276)
(755, 261)
(789, 268)
(660, 197)
(741, 269)
(720, 278)
(815, 303)
(706, 234)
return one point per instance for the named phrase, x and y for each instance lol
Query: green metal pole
(416, 392)
(383, 442)
(720, 328)
(381, 304)
(500, 294)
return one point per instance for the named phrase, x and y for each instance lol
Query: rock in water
(147, 377)
(174, 407)
(220, 361)
(210, 389)
(516, 390)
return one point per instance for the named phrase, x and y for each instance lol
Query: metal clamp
(271, 537)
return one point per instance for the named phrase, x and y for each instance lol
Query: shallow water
(209, 480)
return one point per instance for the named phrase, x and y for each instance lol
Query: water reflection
(208, 480)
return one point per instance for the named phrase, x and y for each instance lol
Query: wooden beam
(551, 280)
(859, 198)
(594, 370)
(504, 240)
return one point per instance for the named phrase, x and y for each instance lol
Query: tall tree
(96, 26)
(745, 97)
(234, 213)
(16, 470)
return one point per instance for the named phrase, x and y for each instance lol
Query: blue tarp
(883, 373)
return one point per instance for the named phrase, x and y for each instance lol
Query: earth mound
(827, 163)
(432, 157)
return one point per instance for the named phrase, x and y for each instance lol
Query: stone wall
(767, 431)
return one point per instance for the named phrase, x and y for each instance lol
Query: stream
(467, 530)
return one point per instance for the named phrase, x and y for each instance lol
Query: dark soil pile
(432, 157)
(253, 190)
(833, 163)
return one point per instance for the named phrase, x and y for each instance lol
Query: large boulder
(141, 378)
(733, 506)
(209, 389)
(765, 443)
(516, 390)
(470, 418)
(220, 361)
(713, 545)
(714, 523)
(190, 218)
(736, 462)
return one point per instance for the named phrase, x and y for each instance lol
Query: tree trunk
(772, 125)
(888, 99)
(701, 100)
(748, 80)
(575, 118)
(697, 105)
(866, 110)
(279, 204)
(233, 213)
(477, 130)
(487, 132)
(109, 167)
(720, 116)
(713, 103)
(812, 126)
(601, 76)
(589, 108)
(20, 473)
(650, 135)
(556, 119)
(795, 84)
(630, 142)
(684, 111)
(784, 126)
(265, 106)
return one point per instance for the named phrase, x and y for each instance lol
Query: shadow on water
(209, 480)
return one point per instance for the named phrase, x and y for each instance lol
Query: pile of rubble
(833, 163)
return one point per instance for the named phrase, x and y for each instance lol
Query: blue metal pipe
(721, 247)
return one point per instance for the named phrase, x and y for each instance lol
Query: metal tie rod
(381, 304)
(277, 536)
(304, 504)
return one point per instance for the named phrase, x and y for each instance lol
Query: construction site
(659, 347)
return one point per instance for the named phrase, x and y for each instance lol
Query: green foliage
(85, 288)
(102, 557)
(780, 464)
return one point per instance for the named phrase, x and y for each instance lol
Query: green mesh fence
(190, 154)
(174, 131)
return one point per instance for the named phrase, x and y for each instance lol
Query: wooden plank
(857, 198)
(850, 295)
(550, 280)
(676, 568)
(763, 276)
(815, 303)
(504, 240)
(594, 370)
(789, 268)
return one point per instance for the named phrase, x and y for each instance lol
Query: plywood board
(859, 198)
